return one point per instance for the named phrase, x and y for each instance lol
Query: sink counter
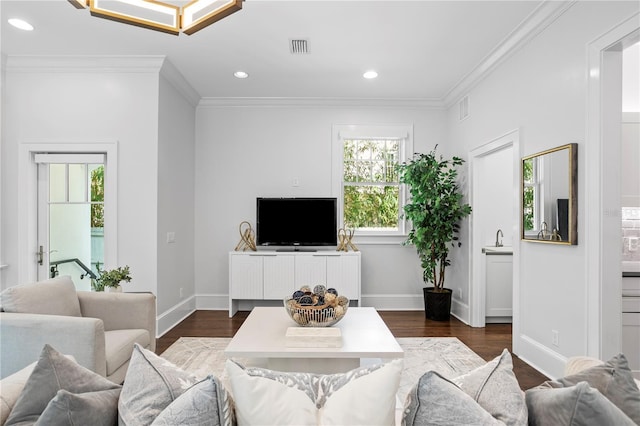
(497, 250)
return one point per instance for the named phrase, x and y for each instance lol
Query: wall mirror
(549, 196)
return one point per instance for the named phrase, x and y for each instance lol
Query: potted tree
(110, 280)
(435, 210)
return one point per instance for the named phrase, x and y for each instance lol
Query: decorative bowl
(316, 315)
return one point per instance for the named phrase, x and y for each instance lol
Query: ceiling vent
(299, 46)
(463, 108)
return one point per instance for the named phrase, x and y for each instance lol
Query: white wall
(243, 152)
(74, 101)
(495, 203)
(542, 91)
(176, 156)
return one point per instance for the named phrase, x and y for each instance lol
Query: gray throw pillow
(613, 379)
(579, 405)
(98, 408)
(496, 389)
(56, 296)
(54, 372)
(205, 403)
(435, 400)
(150, 385)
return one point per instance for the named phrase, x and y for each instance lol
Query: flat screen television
(296, 222)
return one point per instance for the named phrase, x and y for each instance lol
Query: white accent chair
(98, 329)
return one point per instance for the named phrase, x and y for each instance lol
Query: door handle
(41, 253)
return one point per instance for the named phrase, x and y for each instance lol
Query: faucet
(499, 244)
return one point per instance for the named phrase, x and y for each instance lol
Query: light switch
(171, 237)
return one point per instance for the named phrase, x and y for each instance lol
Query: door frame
(603, 325)
(28, 199)
(477, 293)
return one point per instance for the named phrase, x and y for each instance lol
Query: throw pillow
(613, 379)
(205, 403)
(150, 385)
(53, 373)
(56, 296)
(496, 389)
(363, 396)
(98, 408)
(435, 400)
(579, 405)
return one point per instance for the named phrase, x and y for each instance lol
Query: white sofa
(154, 389)
(98, 329)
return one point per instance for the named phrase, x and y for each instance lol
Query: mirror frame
(572, 175)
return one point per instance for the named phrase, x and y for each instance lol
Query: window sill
(391, 240)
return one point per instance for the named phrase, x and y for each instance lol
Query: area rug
(448, 356)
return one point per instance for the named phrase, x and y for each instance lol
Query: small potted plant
(435, 210)
(110, 280)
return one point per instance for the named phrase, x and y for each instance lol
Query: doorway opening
(495, 196)
(603, 194)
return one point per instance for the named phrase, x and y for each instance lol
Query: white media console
(271, 275)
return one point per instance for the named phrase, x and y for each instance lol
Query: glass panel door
(71, 219)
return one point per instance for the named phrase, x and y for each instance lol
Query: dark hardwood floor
(487, 342)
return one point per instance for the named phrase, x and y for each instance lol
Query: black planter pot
(437, 304)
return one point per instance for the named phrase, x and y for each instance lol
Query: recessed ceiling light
(19, 23)
(240, 74)
(370, 74)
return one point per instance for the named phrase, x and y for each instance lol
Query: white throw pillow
(363, 396)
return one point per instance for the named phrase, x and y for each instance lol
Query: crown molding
(545, 14)
(84, 63)
(177, 80)
(283, 102)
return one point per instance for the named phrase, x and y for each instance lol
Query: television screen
(296, 221)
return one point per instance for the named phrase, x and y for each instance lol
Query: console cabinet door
(310, 270)
(246, 277)
(278, 277)
(343, 274)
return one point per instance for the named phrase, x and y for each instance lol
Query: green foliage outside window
(97, 197)
(528, 201)
(370, 179)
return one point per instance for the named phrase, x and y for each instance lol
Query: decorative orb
(319, 290)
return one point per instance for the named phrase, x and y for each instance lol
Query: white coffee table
(262, 338)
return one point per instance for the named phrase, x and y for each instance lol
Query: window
(370, 198)
(532, 197)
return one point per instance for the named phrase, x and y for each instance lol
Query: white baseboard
(460, 310)
(171, 317)
(544, 359)
(212, 302)
(393, 302)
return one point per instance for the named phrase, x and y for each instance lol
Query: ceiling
(421, 49)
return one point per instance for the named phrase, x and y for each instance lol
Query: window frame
(340, 133)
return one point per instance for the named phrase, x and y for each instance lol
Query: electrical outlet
(181, 292)
(634, 243)
(555, 338)
(460, 293)
(295, 182)
(171, 237)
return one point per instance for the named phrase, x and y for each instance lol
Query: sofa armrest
(22, 337)
(121, 311)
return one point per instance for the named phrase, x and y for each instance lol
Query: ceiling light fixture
(370, 74)
(160, 16)
(240, 74)
(21, 24)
